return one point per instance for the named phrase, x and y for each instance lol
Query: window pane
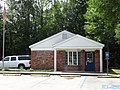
(6, 59)
(70, 58)
(23, 58)
(13, 58)
(90, 57)
(79, 58)
(74, 58)
(66, 58)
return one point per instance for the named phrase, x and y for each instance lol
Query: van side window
(13, 58)
(6, 59)
(23, 58)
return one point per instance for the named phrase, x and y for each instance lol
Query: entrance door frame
(89, 63)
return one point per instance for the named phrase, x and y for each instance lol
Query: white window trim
(72, 56)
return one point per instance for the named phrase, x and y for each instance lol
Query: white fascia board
(41, 49)
(79, 48)
(44, 40)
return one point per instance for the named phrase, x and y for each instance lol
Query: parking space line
(34, 85)
(83, 81)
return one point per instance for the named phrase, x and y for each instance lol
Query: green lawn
(28, 70)
(114, 71)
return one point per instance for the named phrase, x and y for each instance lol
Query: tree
(21, 29)
(102, 24)
(74, 19)
(29, 24)
(117, 31)
(34, 20)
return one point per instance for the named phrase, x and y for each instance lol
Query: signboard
(107, 58)
(107, 55)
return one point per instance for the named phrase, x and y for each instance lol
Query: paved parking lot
(27, 82)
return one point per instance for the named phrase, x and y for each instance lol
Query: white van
(19, 61)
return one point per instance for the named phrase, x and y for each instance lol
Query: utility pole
(4, 22)
(3, 44)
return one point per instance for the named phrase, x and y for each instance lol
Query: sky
(2, 2)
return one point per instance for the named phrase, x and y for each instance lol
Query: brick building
(66, 51)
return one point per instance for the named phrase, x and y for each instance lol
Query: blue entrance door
(89, 61)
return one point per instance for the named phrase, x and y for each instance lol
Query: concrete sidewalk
(55, 73)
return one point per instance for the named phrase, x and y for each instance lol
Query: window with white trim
(72, 57)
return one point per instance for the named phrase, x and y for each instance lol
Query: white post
(55, 60)
(101, 66)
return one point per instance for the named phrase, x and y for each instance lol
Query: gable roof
(72, 41)
(50, 41)
(78, 41)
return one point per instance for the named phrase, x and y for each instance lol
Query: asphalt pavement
(56, 82)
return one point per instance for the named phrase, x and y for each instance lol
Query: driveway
(27, 82)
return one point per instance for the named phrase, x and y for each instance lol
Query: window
(75, 58)
(13, 58)
(79, 58)
(66, 58)
(90, 57)
(6, 59)
(23, 58)
(72, 57)
(64, 36)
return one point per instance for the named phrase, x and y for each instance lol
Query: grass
(113, 71)
(38, 70)
(28, 70)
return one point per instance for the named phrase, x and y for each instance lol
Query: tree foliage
(102, 24)
(34, 20)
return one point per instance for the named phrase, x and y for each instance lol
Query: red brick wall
(97, 60)
(82, 59)
(72, 68)
(61, 60)
(42, 59)
(45, 60)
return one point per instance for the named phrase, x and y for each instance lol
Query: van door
(6, 61)
(13, 62)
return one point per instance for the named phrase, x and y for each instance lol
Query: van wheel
(21, 66)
